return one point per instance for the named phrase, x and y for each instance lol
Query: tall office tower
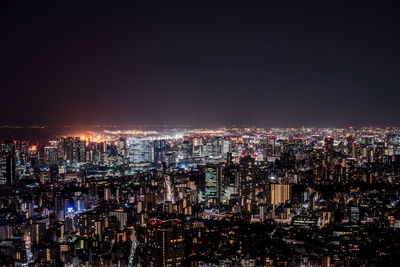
(229, 159)
(216, 147)
(349, 146)
(355, 150)
(187, 149)
(226, 148)
(354, 215)
(40, 154)
(165, 242)
(231, 173)
(208, 149)
(278, 193)
(122, 147)
(159, 151)
(197, 141)
(37, 232)
(197, 151)
(54, 172)
(51, 155)
(327, 163)
(247, 178)
(213, 181)
(22, 152)
(107, 194)
(139, 151)
(7, 162)
(197, 147)
(271, 146)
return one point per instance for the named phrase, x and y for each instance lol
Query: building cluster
(224, 197)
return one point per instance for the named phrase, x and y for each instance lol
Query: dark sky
(266, 63)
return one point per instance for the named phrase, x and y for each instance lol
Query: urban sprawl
(202, 197)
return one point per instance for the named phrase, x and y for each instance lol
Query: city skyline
(199, 133)
(202, 197)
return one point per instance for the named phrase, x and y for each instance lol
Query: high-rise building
(187, 149)
(165, 242)
(226, 148)
(355, 215)
(40, 154)
(159, 151)
(139, 151)
(121, 146)
(7, 162)
(51, 155)
(121, 216)
(328, 157)
(7, 147)
(247, 178)
(278, 193)
(107, 194)
(213, 181)
(37, 232)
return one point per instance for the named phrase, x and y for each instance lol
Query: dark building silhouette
(159, 151)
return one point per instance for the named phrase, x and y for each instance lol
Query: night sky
(262, 63)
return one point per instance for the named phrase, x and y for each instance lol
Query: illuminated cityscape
(203, 197)
(199, 133)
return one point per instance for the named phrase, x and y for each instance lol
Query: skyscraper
(328, 157)
(165, 242)
(213, 181)
(159, 151)
(247, 178)
(278, 193)
(7, 162)
(139, 151)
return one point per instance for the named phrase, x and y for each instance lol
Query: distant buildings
(226, 197)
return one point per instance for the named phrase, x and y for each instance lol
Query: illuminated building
(122, 147)
(139, 151)
(51, 155)
(165, 242)
(7, 162)
(226, 147)
(326, 218)
(72, 149)
(304, 221)
(37, 232)
(187, 149)
(355, 215)
(278, 193)
(247, 178)
(107, 194)
(159, 151)
(213, 181)
(40, 154)
(328, 158)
